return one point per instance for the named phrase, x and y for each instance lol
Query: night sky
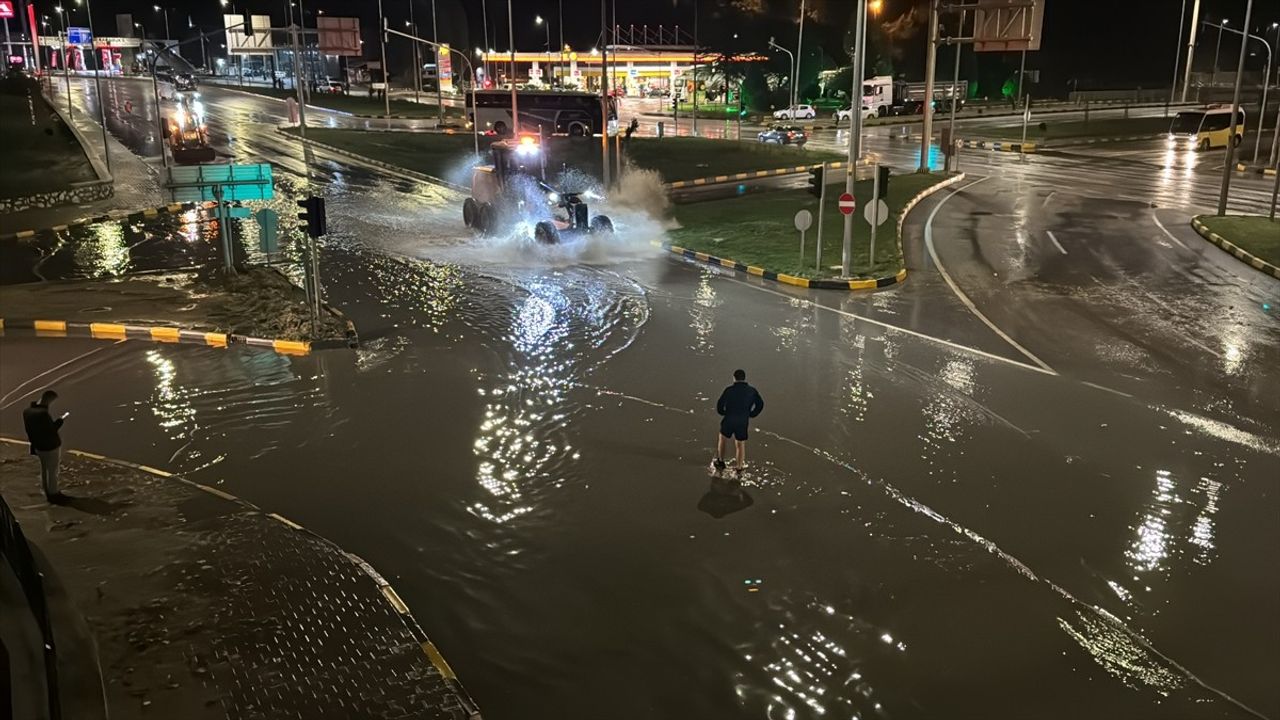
(1098, 44)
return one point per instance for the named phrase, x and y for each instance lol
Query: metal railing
(15, 549)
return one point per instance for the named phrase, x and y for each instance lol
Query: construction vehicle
(187, 134)
(512, 190)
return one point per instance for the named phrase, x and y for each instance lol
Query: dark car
(784, 135)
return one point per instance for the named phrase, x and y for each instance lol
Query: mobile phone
(65, 414)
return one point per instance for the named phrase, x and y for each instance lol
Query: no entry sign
(847, 204)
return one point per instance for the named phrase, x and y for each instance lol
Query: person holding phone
(46, 443)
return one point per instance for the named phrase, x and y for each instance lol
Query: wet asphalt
(1037, 480)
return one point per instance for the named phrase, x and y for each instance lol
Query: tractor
(187, 133)
(513, 189)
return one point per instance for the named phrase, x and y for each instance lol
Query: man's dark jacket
(740, 401)
(42, 429)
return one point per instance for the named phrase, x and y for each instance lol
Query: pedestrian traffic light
(815, 181)
(883, 180)
(313, 216)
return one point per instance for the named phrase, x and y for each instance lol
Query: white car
(846, 114)
(796, 112)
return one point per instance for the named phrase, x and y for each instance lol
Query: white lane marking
(914, 333)
(1165, 230)
(1055, 242)
(1047, 198)
(51, 370)
(928, 241)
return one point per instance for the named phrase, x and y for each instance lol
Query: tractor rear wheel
(546, 233)
(470, 212)
(601, 224)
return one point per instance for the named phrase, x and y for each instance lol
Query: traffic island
(1251, 238)
(203, 605)
(449, 156)
(258, 306)
(756, 234)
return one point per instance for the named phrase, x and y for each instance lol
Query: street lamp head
(537, 19)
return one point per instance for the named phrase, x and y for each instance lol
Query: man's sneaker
(718, 464)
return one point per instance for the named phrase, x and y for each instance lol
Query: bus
(555, 112)
(1204, 129)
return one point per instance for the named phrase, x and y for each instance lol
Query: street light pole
(417, 59)
(1266, 75)
(792, 67)
(795, 77)
(855, 133)
(1228, 166)
(511, 38)
(1191, 47)
(930, 65)
(604, 91)
(560, 64)
(97, 89)
(1213, 79)
(386, 78)
(695, 66)
(437, 49)
(435, 38)
(1177, 57)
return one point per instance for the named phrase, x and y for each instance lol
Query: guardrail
(14, 548)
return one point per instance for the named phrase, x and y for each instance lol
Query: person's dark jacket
(42, 429)
(740, 401)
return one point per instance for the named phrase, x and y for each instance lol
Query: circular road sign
(847, 204)
(804, 219)
(876, 213)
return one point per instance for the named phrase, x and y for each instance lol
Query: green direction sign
(268, 230)
(197, 183)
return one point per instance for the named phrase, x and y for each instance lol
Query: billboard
(1007, 25)
(259, 43)
(6, 9)
(339, 35)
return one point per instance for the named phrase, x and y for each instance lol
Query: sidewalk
(204, 606)
(137, 185)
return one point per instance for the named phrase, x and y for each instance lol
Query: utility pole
(1213, 79)
(604, 91)
(695, 65)
(955, 99)
(97, 89)
(511, 38)
(435, 38)
(417, 59)
(1022, 73)
(1177, 55)
(930, 65)
(855, 132)
(1228, 166)
(386, 78)
(795, 78)
(1191, 47)
(560, 64)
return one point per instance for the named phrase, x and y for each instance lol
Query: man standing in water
(737, 405)
(42, 433)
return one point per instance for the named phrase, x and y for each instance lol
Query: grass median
(354, 103)
(759, 229)
(443, 155)
(1255, 234)
(1048, 130)
(42, 154)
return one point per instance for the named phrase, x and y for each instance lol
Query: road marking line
(1055, 242)
(1166, 231)
(1047, 198)
(895, 328)
(928, 241)
(55, 368)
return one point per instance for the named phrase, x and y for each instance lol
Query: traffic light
(246, 26)
(815, 181)
(884, 180)
(313, 216)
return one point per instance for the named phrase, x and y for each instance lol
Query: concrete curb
(1252, 260)
(820, 284)
(1094, 141)
(412, 174)
(1000, 146)
(384, 587)
(117, 331)
(113, 216)
(1259, 170)
(752, 175)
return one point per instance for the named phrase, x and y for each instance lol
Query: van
(1204, 129)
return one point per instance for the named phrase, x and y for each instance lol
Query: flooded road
(933, 525)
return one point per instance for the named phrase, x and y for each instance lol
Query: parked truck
(896, 97)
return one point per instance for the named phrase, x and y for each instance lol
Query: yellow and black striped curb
(999, 146)
(117, 331)
(1240, 253)
(1259, 170)
(384, 587)
(413, 174)
(113, 216)
(752, 175)
(1095, 141)
(819, 284)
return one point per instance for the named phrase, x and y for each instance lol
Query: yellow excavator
(187, 133)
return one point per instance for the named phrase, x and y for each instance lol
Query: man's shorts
(735, 428)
